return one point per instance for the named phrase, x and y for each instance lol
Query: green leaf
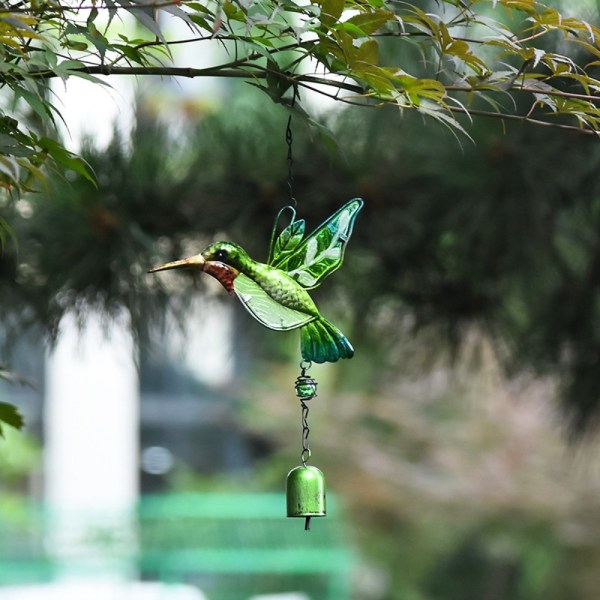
(278, 83)
(92, 16)
(67, 159)
(75, 45)
(6, 233)
(9, 415)
(434, 110)
(370, 22)
(527, 6)
(148, 20)
(10, 168)
(233, 12)
(64, 68)
(331, 11)
(380, 80)
(368, 52)
(36, 102)
(201, 22)
(199, 7)
(97, 39)
(132, 54)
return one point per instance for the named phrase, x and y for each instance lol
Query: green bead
(306, 390)
(306, 387)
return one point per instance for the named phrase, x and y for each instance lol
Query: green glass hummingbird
(274, 293)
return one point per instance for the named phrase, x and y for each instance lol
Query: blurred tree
(500, 236)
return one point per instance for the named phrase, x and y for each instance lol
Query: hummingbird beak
(223, 273)
(197, 262)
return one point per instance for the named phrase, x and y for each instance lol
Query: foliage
(9, 415)
(476, 58)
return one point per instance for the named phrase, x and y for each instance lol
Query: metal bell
(305, 493)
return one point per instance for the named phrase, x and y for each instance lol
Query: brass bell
(305, 493)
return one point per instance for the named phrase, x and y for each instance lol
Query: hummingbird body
(275, 282)
(275, 292)
(282, 288)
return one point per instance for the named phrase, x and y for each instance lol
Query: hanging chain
(290, 161)
(305, 456)
(306, 389)
(292, 203)
(290, 157)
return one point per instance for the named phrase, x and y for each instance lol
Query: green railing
(231, 546)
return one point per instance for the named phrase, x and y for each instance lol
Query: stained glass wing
(322, 252)
(285, 242)
(266, 310)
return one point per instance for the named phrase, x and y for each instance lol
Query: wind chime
(275, 294)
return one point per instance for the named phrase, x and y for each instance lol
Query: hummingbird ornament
(275, 293)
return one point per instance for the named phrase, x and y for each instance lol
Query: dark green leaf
(92, 16)
(370, 22)
(75, 45)
(331, 11)
(67, 159)
(9, 415)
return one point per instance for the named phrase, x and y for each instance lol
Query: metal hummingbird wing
(264, 309)
(287, 241)
(308, 260)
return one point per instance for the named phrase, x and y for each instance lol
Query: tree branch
(50, 8)
(302, 80)
(520, 88)
(219, 71)
(522, 119)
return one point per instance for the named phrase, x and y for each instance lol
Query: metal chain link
(305, 455)
(289, 138)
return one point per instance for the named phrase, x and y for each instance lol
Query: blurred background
(459, 444)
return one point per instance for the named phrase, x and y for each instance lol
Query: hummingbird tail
(320, 342)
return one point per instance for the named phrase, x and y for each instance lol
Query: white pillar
(91, 447)
(207, 347)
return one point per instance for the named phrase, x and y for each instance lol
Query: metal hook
(305, 365)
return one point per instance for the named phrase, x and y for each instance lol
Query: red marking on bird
(223, 273)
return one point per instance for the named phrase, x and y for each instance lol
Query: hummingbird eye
(221, 254)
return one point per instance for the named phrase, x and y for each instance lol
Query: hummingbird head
(227, 253)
